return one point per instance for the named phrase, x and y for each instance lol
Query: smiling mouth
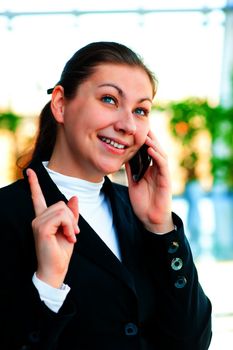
(113, 143)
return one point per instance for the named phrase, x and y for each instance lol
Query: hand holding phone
(140, 163)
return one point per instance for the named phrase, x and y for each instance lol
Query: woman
(114, 271)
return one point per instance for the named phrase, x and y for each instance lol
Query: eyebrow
(121, 92)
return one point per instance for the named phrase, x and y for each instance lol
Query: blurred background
(189, 46)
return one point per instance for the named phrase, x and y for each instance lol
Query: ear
(58, 103)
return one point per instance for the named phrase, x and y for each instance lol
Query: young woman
(86, 263)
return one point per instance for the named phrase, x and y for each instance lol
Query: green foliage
(9, 120)
(221, 128)
(187, 118)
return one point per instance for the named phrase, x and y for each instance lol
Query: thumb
(73, 206)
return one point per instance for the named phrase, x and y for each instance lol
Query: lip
(110, 148)
(121, 142)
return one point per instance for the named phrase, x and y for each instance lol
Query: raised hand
(151, 197)
(55, 230)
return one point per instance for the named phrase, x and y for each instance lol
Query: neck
(66, 167)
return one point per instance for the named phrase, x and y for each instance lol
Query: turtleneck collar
(87, 191)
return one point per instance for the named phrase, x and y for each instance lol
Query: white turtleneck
(93, 205)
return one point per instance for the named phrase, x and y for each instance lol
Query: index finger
(152, 136)
(37, 195)
(153, 142)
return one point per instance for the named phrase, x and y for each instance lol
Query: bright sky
(183, 49)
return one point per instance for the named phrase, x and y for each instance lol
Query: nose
(126, 123)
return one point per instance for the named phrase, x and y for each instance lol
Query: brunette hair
(78, 69)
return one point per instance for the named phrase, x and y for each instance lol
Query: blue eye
(109, 99)
(141, 111)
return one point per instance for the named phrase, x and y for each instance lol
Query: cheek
(142, 132)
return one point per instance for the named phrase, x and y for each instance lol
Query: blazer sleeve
(184, 311)
(25, 321)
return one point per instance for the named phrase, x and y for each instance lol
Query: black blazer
(150, 300)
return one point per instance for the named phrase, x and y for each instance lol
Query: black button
(34, 337)
(173, 247)
(180, 282)
(131, 329)
(176, 264)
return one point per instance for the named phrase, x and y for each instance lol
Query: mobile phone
(140, 163)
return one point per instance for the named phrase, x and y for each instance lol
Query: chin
(111, 170)
(108, 166)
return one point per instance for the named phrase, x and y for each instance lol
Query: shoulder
(15, 200)
(119, 198)
(122, 189)
(18, 188)
(117, 190)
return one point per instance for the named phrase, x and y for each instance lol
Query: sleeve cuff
(52, 297)
(165, 233)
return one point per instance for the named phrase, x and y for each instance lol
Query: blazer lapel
(126, 224)
(88, 241)
(91, 246)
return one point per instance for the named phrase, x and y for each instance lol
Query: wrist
(160, 228)
(51, 279)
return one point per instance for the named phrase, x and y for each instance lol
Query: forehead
(128, 78)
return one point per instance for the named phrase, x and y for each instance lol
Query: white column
(226, 94)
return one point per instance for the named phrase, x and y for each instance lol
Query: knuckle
(60, 212)
(34, 223)
(61, 206)
(37, 227)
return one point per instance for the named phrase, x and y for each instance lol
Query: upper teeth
(112, 143)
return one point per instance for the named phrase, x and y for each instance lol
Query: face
(104, 125)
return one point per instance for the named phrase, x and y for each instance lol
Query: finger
(159, 165)
(73, 206)
(156, 152)
(159, 159)
(68, 231)
(151, 135)
(69, 220)
(36, 193)
(153, 142)
(58, 220)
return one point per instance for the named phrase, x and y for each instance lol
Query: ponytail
(46, 137)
